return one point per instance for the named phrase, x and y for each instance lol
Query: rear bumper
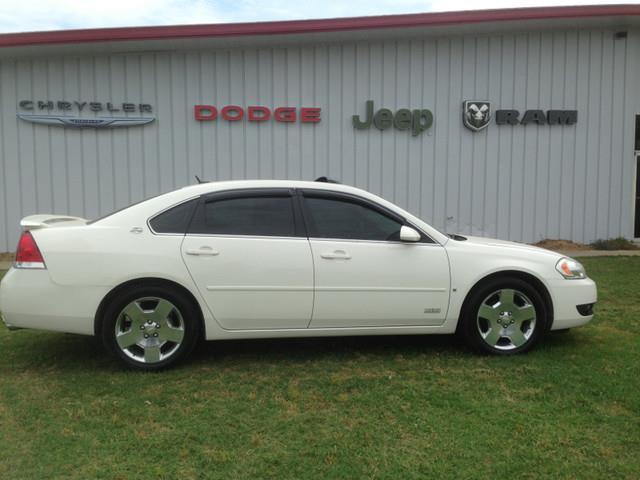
(7, 324)
(567, 295)
(29, 299)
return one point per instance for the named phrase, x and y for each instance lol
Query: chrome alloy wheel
(149, 330)
(506, 319)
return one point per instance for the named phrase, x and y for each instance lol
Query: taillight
(28, 254)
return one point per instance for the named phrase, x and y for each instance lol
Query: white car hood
(505, 244)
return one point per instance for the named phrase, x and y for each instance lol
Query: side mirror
(408, 234)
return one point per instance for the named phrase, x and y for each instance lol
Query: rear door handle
(336, 255)
(203, 252)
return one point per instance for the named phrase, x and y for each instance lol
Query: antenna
(326, 180)
(198, 179)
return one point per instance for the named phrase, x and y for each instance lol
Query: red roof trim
(309, 26)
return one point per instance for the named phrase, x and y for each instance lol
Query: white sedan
(257, 259)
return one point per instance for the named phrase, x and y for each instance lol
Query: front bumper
(567, 295)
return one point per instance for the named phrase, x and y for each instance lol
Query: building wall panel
(523, 183)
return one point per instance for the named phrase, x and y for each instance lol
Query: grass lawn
(396, 408)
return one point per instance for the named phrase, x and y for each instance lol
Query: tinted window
(174, 220)
(335, 218)
(269, 216)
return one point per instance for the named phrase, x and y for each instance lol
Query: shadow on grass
(56, 351)
(321, 348)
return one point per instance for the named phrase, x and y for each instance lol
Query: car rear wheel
(150, 328)
(504, 316)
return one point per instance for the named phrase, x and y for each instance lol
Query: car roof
(201, 188)
(141, 212)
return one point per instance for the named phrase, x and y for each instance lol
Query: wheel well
(527, 277)
(147, 282)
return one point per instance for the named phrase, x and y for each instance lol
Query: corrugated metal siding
(521, 183)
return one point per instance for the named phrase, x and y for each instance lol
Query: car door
(364, 275)
(249, 256)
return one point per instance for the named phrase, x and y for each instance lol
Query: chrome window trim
(227, 235)
(385, 242)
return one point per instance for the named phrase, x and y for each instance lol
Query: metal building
(519, 124)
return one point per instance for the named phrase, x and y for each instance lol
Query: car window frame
(365, 202)
(182, 202)
(298, 223)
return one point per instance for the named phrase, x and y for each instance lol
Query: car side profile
(267, 258)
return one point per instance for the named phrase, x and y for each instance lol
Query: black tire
(185, 309)
(473, 325)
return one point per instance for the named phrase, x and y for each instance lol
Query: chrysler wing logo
(86, 122)
(476, 114)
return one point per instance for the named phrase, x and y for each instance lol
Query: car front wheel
(504, 316)
(150, 328)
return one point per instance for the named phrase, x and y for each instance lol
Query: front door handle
(203, 252)
(336, 255)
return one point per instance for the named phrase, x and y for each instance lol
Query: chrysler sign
(83, 114)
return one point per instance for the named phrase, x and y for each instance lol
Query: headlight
(570, 269)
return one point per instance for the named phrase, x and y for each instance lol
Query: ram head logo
(476, 114)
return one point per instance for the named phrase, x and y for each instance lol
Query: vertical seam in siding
(127, 135)
(271, 128)
(286, 96)
(549, 152)
(170, 108)
(458, 181)
(155, 98)
(512, 134)
(381, 176)
(474, 140)
(496, 226)
(368, 135)
(524, 141)
(244, 103)
(259, 102)
(98, 162)
(301, 160)
(341, 158)
(3, 161)
(597, 234)
(187, 149)
(563, 207)
(353, 100)
(483, 215)
(82, 136)
(395, 137)
(611, 133)
(575, 140)
(586, 163)
(624, 160)
(49, 149)
(216, 163)
(111, 136)
(200, 99)
(313, 133)
(33, 146)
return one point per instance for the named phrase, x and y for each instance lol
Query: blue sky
(32, 15)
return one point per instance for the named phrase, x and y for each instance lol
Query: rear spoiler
(35, 222)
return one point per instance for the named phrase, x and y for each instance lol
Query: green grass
(395, 407)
